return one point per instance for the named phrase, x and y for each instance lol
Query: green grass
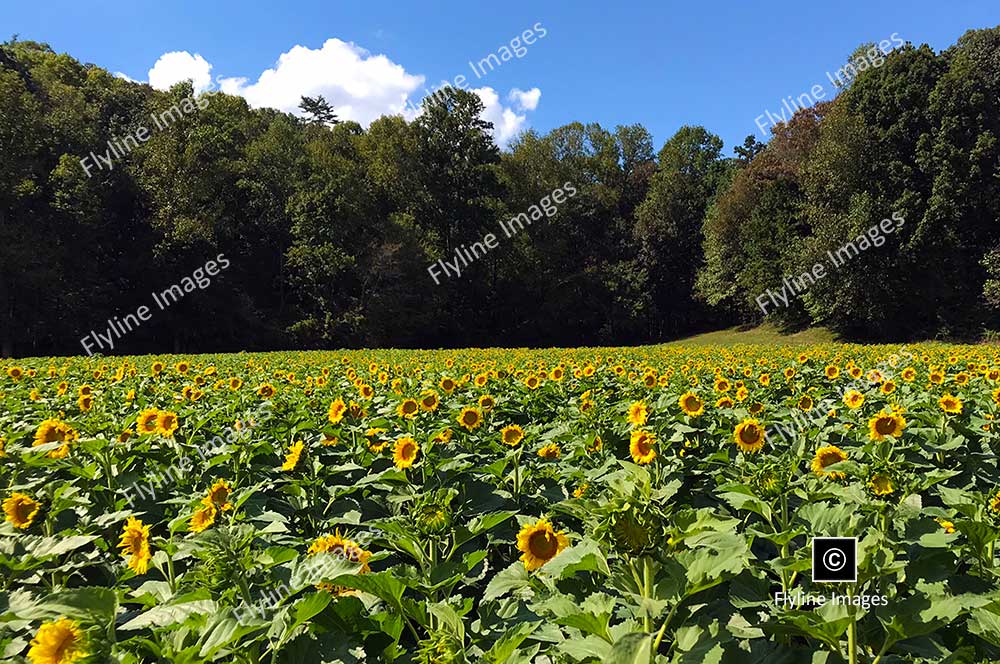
(765, 334)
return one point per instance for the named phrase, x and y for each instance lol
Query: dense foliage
(330, 227)
(596, 505)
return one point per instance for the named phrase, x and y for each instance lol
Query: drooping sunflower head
(345, 548)
(293, 455)
(219, 494)
(470, 418)
(21, 510)
(166, 423)
(203, 518)
(512, 435)
(336, 411)
(827, 456)
(539, 543)
(146, 422)
(642, 447)
(405, 452)
(550, 451)
(885, 424)
(134, 544)
(59, 642)
(749, 435)
(691, 404)
(881, 484)
(638, 412)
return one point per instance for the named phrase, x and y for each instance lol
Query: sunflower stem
(647, 592)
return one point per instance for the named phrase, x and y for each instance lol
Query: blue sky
(662, 64)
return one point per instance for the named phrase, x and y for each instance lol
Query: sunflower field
(630, 505)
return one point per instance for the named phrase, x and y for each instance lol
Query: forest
(330, 227)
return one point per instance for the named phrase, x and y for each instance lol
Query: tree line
(330, 227)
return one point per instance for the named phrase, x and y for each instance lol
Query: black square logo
(835, 559)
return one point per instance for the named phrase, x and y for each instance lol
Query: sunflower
(827, 456)
(448, 385)
(641, 447)
(337, 410)
(219, 494)
(691, 404)
(292, 457)
(59, 642)
(580, 490)
(539, 543)
(55, 431)
(532, 382)
(266, 391)
(342, 547)
(908, 374)
(950, 404)
(135, 545)
(203, 518)
(881, 484)
(888, 387)
(947, 526)
(235, 384)
(470, 418)
(166, 423)
(853, 399)
(595, 446)
(429, 400)
(85, 402)
(550, 451)
(405, 452)
(146, 422)
(21, 510)
(995, 503)
(443, 436)
(749, 435)
(886, 424)
(724, 402)
(805, 403)
(408, 408)
(486, 402)
(832, 372)
(638, 413)
(512, 435)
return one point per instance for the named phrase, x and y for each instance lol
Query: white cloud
(128, 78)
(178, 66)
(525, 100)
(506, 123)
(361, 86)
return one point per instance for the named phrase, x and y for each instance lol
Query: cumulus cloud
(525, 100)
(506, 123)
(361, 86)
(178, 66)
